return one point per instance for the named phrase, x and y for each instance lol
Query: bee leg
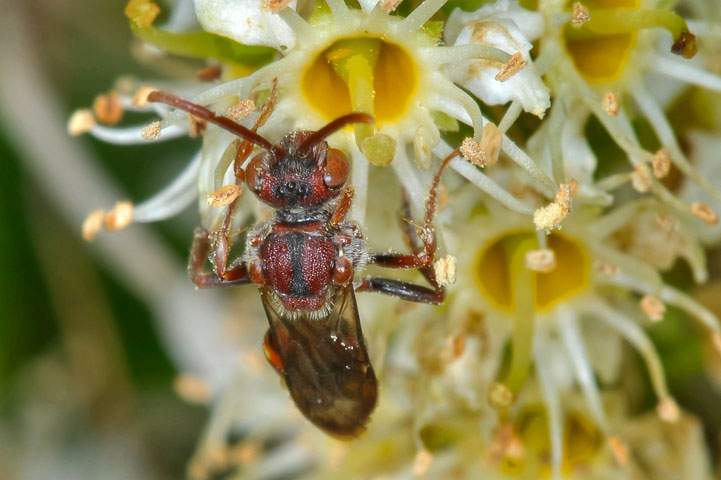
(342, 207)
(403, 290)
(237, 274)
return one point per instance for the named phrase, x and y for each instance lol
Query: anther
(151, 132)
(514, 64)
(668, 410)
(120, 216)
(81, 121)
(609, 103)
(140, 98)
(240, 110)
(93, 224)
(580, 15)
(704, 211)
(653, 308)
(542, 261)
(661, 163)
(224, 195)
(641, 178)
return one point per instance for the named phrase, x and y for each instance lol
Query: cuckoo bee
(306, 262)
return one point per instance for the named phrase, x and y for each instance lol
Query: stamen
(661, 163)
(704, 211)
(500, 396)
(682, 70)
(514, 65)
(510, 117)
(389, 5)
(552, 402)
(641, 178)
(619, 449)
(224, 195)
(136, 135)
(108, 108)
(379, 149)
(457, 95)
(142, 12)
(338, 8)
(653, 308)
(240, 110)
(275, 6)
(301, 28)
(456, 53)
(550, 217)
(668, 410)
(93, 224)
(418, 17)
(173, 198)
(575, 347)
(192, 389)
(476, 177)
(119, 217)
(671, 296)
(422, 463)
(81, 121)
(140, 99)
(665, 134)
(580, 15)
(638, 338)
(609, 103)
(151, 132)
(543, 260)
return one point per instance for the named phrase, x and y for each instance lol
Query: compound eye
(336, 170)
(254, 172)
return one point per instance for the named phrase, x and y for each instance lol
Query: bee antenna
(340, 122)
(206, 114)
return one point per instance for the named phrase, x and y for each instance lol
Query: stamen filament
(638, 338)
(455, 53)
(575, 347)
(665, 134)
(133, 135)
(418, 17)
(173, 199)
(552, 402)
(681, 70)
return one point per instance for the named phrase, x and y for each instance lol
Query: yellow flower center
(599, 57)
(362, 74)
(496, 275)
(581, 441)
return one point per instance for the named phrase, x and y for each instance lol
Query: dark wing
(324, 363)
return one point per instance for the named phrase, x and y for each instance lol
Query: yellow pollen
(151, 132)
(580, 15)
(393, 78)
(569, 277)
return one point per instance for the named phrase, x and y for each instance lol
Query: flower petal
(245, 21)
(499, 29)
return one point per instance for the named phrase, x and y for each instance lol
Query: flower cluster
(573, 195)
